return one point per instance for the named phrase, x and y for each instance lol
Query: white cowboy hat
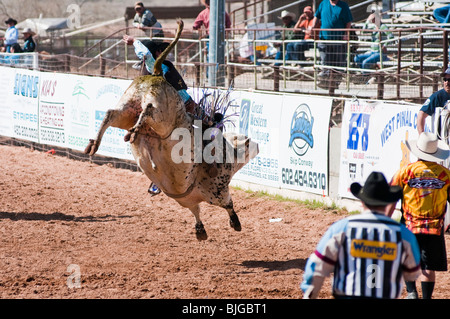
(286, 13)
(28, 30)
(429, 148)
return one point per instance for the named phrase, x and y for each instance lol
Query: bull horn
(157, 69)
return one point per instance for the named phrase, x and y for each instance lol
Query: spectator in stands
(29, 44)
(377, 52)
(145, 18)
(333, 14)
(11, 35)
(202, 19)
(442, 14)
(288, 19)
(296, 50)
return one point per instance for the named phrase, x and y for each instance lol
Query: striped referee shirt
(370, 255)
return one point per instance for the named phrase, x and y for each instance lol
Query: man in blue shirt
(333, 14)
(370, 253)
(437, 99)
(11, 34)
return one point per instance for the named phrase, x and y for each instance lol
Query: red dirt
(55, 212)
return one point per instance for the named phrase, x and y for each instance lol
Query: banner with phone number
(292, 134)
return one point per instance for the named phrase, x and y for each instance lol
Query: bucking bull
(155, 117)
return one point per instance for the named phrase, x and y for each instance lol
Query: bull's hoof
(132, 137)
(91, 148)
(235, 223)
(200, 232)
(127, 137)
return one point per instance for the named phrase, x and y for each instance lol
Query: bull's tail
(157, 69)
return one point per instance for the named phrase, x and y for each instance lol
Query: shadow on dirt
(275, 265)
(58, 216)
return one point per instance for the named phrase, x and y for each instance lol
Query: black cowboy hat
(376, 191)
(11, 20)
(154, 46)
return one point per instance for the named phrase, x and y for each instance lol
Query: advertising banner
(53, 110)
(259, 119)
(373, 138)
(304, 143)
(105, 95)
(72, 107)
(7, 108)
(23, 98)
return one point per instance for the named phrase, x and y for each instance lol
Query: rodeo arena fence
(316, 134)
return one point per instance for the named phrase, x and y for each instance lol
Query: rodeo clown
(370, 253)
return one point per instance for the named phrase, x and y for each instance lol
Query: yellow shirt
(425, 193)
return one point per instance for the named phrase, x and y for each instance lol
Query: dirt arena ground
(58, 214)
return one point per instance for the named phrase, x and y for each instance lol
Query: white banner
(53, 109)
(22, 99)
(72, 107)
(304, 143)
(373, 139)
(259, 119)
(105, 96)
(286, 128)
(7, 84)
(63, 110)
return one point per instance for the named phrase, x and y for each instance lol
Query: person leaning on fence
(377, 52)
(436, 100)
(145, 18)
(426, 186)
(11, 35)
(29, 45)
(369, 253)
(333, 14)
